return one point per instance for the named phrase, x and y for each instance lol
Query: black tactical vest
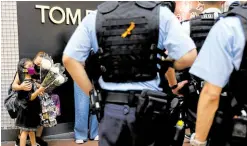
(238, 80)
(200, 27)
(132, 57)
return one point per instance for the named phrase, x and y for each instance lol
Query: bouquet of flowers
(51, 76)
(55, 75)
(46, 64)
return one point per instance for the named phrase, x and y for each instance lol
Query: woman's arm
(26, 86)
(16, 82)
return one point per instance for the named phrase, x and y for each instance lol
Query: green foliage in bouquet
(60, 79)
(49, 78)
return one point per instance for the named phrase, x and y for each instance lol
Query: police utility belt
(161, 103)
(127, 97)
(120, 97)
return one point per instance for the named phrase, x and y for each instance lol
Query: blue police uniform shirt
(221, 53)
(171, 37)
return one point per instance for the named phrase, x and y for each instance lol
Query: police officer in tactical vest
(128, 39)
(199, 26)
(222, 60)
(198, 29)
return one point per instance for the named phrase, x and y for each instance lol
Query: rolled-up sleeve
(80, 43)
(172, 35)
(214, 63)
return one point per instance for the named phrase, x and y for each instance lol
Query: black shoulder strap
(110, 6)
(233, 5)
(244, 59)
(241, 12)
(107, 7)
(10, 87)
(147, 4)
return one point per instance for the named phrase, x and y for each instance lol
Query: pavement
(67, 139)
(67, 142)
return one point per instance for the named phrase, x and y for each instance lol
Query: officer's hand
(180, 86)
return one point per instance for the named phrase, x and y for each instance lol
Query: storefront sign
(66, 15)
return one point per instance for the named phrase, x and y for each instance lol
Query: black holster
(156, 112)
(239, 132)
(226, 130)
(96, 104)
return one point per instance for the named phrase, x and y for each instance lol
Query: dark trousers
(117, 128)
(120, 127)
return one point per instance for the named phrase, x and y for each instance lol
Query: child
(28, 118)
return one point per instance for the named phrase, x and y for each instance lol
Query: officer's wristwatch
(174, 86)
(195, 142)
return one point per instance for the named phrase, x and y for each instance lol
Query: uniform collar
(212, 10)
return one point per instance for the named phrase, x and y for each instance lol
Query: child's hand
(41, 93)
(38, 92)
(37, 84)
(26, 86)
(42, 89)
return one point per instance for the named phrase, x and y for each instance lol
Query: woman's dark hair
(20, 67)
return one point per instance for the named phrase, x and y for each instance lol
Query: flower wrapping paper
(51, 76)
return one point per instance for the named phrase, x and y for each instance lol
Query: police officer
(199, 26)
(222, 59)
(198, 29)
(123, 33)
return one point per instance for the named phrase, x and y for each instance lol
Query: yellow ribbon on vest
(128, 31)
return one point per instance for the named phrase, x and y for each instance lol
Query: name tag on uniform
(207, 16)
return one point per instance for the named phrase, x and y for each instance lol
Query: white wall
(9, 55)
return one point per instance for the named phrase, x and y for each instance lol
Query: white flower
(46, 64)
(60, 79)
(54, 69)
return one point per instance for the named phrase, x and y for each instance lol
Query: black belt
(121, 97)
